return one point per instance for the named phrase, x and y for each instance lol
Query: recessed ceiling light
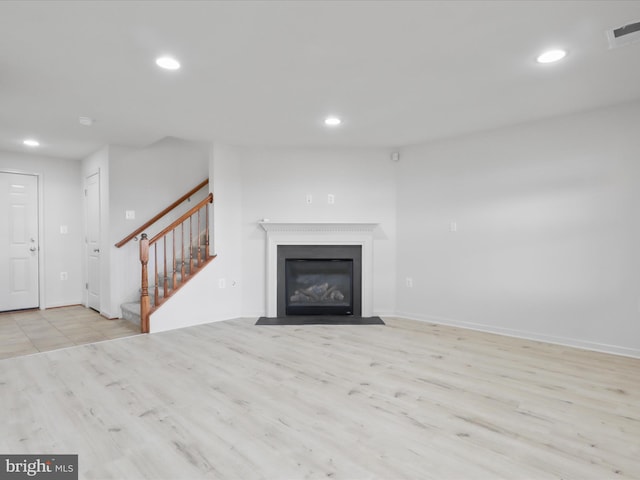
(551, 56)
(30, 142)
(86, 121)
(332, 121)
(168, 63)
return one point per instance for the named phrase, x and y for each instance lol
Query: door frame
(41, 245)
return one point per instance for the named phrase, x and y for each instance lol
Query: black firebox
(319, 280)
(318, 287)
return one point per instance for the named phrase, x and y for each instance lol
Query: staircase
(170, 258)
(131, 310)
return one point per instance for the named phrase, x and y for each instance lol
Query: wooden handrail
(138, 230)
(179, 221)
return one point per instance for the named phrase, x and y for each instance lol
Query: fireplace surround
(319, 233)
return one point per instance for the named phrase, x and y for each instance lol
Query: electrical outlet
(309, 199)
(409, 282)
(331, 199)
(64, 276)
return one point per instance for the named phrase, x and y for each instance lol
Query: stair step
(152, 292)
(161, 284)
(187, 271)
(131, 312)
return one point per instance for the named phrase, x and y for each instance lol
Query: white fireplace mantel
(317, 227)
(319, 233)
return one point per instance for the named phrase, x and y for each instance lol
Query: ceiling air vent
(619, 37)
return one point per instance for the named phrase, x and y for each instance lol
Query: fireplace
(319, 280)
(280, 234)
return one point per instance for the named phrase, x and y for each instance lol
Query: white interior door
(19, 248)
(92, 195)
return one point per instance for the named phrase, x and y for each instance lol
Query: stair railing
(176, 253)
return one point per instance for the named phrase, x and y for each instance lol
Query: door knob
(96, 250)
(33, 249)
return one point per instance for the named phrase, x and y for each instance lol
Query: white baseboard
(569, 342)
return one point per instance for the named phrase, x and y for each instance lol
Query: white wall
(201, 300)
(60, 187)
(548, 230)
(275, 182)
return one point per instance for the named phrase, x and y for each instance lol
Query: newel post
(145, 305)
(206, 232)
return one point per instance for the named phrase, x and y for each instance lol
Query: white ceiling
(267, 73)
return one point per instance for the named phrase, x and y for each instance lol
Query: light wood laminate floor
(32, 331)
(232, 400)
